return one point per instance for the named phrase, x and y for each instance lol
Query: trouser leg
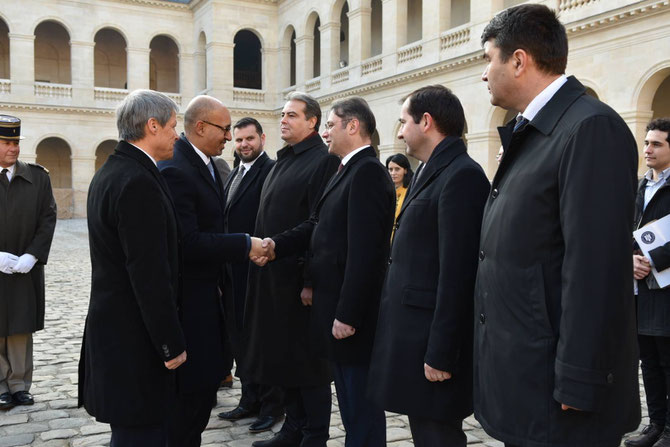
(16, 363)
(431, 433)
(654, 379)
(151, 436)
(189, 418)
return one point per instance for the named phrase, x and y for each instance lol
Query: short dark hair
(662, 124)
(441, 104)
(403, 162)
(312, 107)
(356, 107)
(249, 121)
(533, 28)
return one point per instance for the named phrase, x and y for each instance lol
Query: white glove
(25, 263)
(7, 262)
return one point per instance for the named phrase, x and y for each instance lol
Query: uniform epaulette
(39, 166)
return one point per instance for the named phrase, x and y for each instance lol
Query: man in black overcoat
(197, 191)
(424, 335)
(279, 296)
(132, 339)
(27, 224)
(653, 302)
(555, 343)
(242, 194)
(348, 239)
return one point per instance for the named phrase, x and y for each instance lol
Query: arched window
(52, 53)
(248, 61)
(4, 51)
(344, 36)
(164, 65)
(414, 20)
(376, 28)
(292, 72)
(460, 13)
(111, 60)
(317, 48)
(661, 102)
(103, 151)
(201, 64)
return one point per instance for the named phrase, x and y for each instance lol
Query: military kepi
(10, 128)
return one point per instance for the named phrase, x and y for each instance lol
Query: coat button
(610, 378)
(494, 193)
(482, 318)
(482, 255)
(390, 261)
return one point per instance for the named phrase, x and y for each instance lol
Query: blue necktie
(211, 169)
(521, 122)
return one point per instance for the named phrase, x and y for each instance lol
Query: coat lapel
(248, 178)
(337, 178)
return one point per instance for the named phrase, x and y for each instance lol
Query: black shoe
(647, 437)
(280, 439)
(237, 414)
(23, 398)
(6, 401)
(263, 423)
(664, 440)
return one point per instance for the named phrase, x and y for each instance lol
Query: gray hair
(312, 107)
(138, 108)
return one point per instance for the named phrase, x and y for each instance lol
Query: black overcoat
(199, 202)
(132, 326)
(554, 308)
(426, 309)
(240, 217)
(27, 224)
(276, 324)
(348, 237)
(653, 304)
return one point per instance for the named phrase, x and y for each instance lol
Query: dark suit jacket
(132, 326)
(426, 308)
(348, 237)
(199, 203)
(240, 217)
(276, 324)
(554, 296)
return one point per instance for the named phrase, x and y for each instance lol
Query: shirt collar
(249, 164)
(350, 155)
(205, 158)
(543, 98)
(145, 153)
(663, 176)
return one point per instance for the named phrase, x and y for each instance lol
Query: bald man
(197, 191)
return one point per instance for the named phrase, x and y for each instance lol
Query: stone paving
(55, 420)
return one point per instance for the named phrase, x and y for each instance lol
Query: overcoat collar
(128, 150)
(312, 140)
(443, 154)
(23, 170)
(337, 178)
(247, 179)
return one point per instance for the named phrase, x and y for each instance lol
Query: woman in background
(401, 174)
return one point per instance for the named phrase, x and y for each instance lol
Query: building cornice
(614, 18)
(159, 3)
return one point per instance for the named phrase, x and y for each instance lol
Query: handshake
(262, 251)
(10, 264)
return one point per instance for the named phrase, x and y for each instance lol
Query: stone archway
(55, 154)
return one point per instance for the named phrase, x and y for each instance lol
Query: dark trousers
(655, 364)
(151, 436)
(268, 400)
(308, 414)
(364, 421)
(189, 418)
(432, 433)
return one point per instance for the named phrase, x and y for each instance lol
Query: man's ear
(521, 60)
(426, 122)
(152, 126)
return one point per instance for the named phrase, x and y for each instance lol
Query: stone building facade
(66, 64)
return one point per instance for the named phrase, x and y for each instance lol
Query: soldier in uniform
(28, 221)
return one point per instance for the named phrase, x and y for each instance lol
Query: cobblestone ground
(56, 421)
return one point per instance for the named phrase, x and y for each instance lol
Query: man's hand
(25, 263)
(435, 375)
(7, 262)
(262, 251)
(306, 296)
(641, 267)
(568, 407)
(176, 362)
(342, 330)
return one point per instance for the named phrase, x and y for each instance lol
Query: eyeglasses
(224, 129)
(329, 125)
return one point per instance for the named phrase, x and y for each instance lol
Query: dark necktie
(235, 184)
(3, 177)
(520, 123)
(339, 168)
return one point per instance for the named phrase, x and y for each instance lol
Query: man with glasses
(197, 191)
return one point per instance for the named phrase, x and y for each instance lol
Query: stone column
(330, 48)
(83, 168)
(284, 68)
(220, 57)
(83, 72)
(359, 35)
(394, 26)
(200, 71)
(22, 66)
(138, 68)
(637, 121)
(186, 78)
(483, 146)
(270, 67)
(436, 17)
(304, 59)
(484, 10)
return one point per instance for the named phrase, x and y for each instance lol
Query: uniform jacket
(554, 308)
(276, 324)
(348, 238)
(28, 221)
(132, 326)
(199, 203)
(240, 217)
(426, 308)
(653, 304)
